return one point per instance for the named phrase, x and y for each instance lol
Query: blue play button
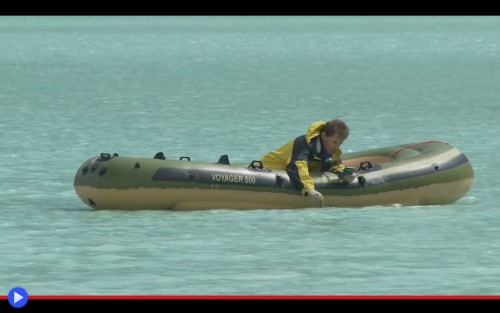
(18, 297)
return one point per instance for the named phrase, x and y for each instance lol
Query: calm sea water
(73, 87)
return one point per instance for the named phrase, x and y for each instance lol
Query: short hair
(336, 126)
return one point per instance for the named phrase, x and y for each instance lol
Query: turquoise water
(72, 87)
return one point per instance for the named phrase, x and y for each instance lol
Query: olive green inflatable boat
(424, 173)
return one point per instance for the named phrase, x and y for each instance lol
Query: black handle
(252, 165)
(364, 165)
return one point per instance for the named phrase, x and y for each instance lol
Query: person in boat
(318, 149)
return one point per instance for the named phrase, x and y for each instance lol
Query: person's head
(333, 135)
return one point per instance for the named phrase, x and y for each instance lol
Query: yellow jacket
(301, 154)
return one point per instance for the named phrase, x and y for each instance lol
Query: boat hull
(426, 173)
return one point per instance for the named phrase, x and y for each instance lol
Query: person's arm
(298, 171)
(297, 168)
(338, 167)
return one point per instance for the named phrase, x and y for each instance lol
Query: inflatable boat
(423, 173)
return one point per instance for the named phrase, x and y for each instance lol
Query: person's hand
(316, 198)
